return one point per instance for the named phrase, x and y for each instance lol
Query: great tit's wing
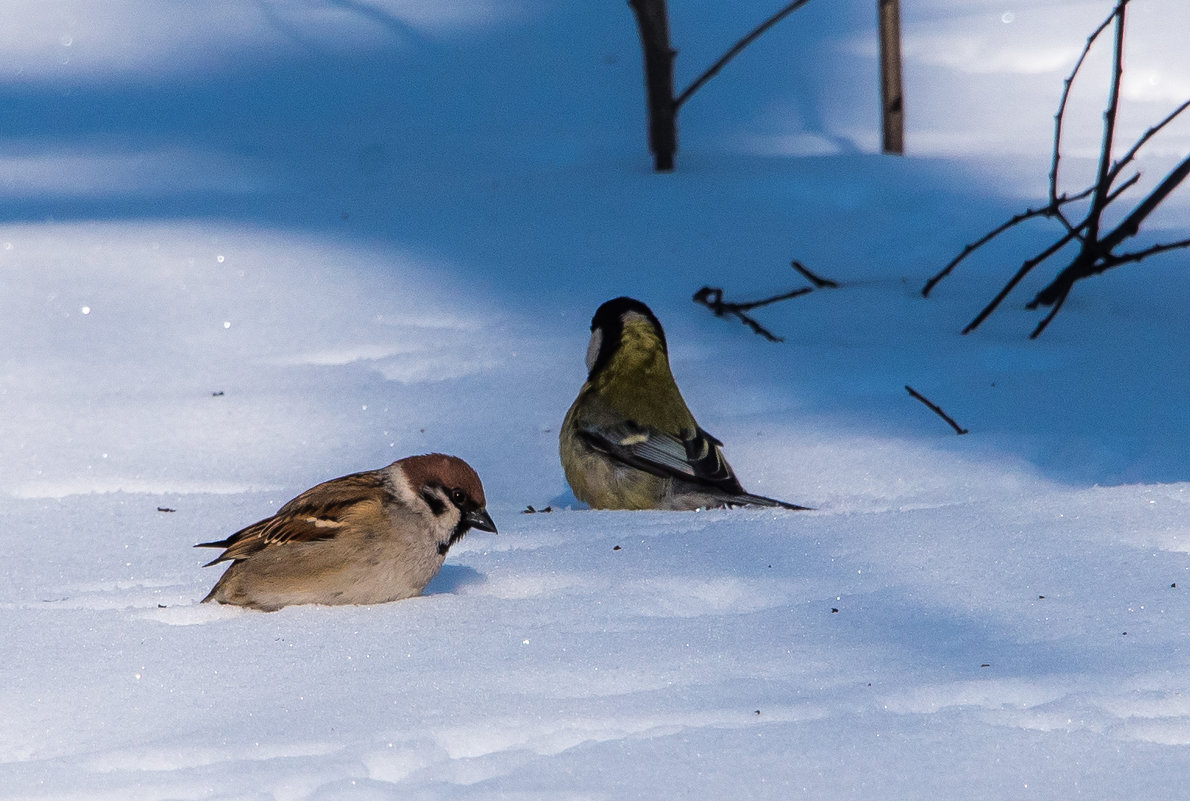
(693, 456)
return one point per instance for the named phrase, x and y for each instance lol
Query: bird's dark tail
(748, 499)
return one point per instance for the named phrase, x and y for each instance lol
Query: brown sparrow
(366, 538)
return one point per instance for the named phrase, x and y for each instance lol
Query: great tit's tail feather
(748, 499)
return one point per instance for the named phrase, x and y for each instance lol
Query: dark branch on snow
(936, 409)
(712, 298)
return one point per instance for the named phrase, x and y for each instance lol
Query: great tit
(628, 441)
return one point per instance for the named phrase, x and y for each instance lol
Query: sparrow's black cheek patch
(436, 504)
(459, 532)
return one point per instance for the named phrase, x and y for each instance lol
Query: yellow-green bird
(629, 441)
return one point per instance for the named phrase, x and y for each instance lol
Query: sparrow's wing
(318, 513)
(693, 456)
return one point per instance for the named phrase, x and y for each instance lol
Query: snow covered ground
(245, 247)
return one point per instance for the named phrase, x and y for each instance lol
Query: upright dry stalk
(892, 101)
(652, 18)
(1102, 185)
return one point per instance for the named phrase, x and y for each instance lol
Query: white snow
(246, 247)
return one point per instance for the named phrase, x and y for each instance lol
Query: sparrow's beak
(480, 519)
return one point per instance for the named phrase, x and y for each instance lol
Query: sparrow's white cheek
(593, 348)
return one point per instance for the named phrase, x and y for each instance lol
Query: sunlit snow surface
(246, 247)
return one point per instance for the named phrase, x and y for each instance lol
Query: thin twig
(818, 281)
(1029, 264)
(1063, 291)
(1027, 214)
(735, 51)
(1131, 224)
(1024, 270)
(1085, 264)
(1053, 312)
(1149, 134)
(1102, 186)
(936, 409)
(1141, 255)
(1061, 113)
(756, 304)
(712, 298)
(1122, 188)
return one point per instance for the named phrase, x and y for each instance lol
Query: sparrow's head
(623, 323)
(451, 488)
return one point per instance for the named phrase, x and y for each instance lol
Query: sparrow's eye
(457, 496)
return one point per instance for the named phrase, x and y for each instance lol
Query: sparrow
(366, 538)
(628, 440)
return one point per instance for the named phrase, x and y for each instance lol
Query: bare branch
(1096, 249)
(735, 51)
(1131, 224)
(1024, 270)
(1102, 186)
(1071, 234)
(1124, 187)
(1028, 214)
(1140, 255)
(1097, 254)
(817, 281)
(1060, 290)
(936, 409)
(756, 304)
(1061, 113)
(1149, 134)
(1044, 324)
(712, 298)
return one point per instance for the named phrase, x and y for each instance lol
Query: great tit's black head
(607, 329)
